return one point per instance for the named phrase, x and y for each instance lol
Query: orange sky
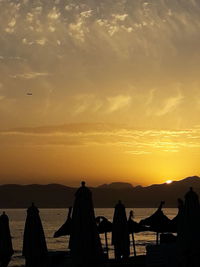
(115, 91)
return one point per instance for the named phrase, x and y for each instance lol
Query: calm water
(52, 219)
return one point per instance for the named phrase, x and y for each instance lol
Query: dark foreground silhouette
(65, 229)
(6, 249)
(120, 233)
(85, 244)
(189, 231)
(34, 245)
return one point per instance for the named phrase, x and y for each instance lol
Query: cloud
(95, 103)
(54, 14)
(86, 102)
(131, 141)
(30, 75)
(76, 30)
(41, 41)
(136, 152)
(12, 23)
(118, 102)
(119, 17)
(86, 14)
(170, 104)
(128, 54)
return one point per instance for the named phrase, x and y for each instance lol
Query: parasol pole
(134, 248)
(106, 240)
(157, 238)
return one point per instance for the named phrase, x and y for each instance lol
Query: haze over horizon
(113, 184)
(99, 90)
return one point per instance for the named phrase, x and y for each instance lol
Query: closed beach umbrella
(6, 249)
(189, 231)
(85, 242)
(120, 232)
(65, 229)
(34, 245)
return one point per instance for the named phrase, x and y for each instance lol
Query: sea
(52, 219)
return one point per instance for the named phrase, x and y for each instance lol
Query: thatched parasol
(133, 228)
(65, 229)
(158, 222)
(104, 226)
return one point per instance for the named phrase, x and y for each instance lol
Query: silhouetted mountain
(116, 185)
(61, 196)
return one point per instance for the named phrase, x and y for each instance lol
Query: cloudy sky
(115, 90)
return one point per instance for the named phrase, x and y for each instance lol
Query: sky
(115, 90)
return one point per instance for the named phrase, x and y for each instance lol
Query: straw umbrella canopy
(189, 231)
(65, 229)
(120, 232)
(103, 225)
(135, 227)
(6, 249)
(34, 243)
(158, 222)
(85, 242)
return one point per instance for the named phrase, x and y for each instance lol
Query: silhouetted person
(6, 249)
(189, 232)
(120, 233)
(34, 245)
(85, 242)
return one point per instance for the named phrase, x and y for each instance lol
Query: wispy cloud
(30, 75)
(95, 103)
(124, 57)
(118, 102)
(170, 104)
(136, 142)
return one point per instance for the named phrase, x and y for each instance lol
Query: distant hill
(116, 185)
(105, 196)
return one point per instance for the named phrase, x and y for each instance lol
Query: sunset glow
(105, 90)
(169, 181)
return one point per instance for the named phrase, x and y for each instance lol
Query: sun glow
(169, 181)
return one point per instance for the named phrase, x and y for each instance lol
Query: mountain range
(104, 196)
